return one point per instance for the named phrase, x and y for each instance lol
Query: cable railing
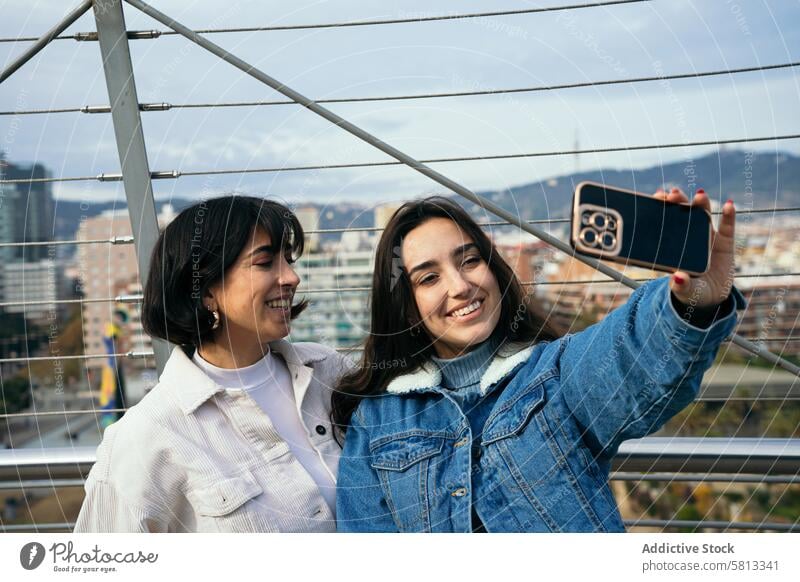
(78, 301)
(124, 240)
(174, 174)
(650, 523)
(713, 524)
(734, 460)
(740, 460)
(652, 456)
(116, 240)
(138, 297)
(400, 157)
(560, 220)
(149, 34)
(146, 354)
(135, 355)
(38, 528)
(41, 484)
(145, 107)
(788, 394)
(60, 413)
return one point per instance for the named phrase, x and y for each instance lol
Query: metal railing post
(130, 140)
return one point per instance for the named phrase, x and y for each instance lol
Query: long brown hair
(397, 342)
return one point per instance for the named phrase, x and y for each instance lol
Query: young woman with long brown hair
(487, 420)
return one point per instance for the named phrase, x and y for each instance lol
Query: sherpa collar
(508, 357)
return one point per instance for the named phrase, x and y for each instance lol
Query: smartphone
(627, 227)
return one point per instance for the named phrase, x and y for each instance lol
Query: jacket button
(461, 443)
(320, 429)
(460, 492)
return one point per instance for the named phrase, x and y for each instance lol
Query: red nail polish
(679, 280)
(700, 191)
(730, 201)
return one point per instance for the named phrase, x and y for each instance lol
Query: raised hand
(714, 286)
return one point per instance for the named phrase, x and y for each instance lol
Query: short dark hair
(194, 251)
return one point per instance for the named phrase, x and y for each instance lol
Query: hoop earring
(215, 315)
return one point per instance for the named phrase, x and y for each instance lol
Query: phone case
(625, 227)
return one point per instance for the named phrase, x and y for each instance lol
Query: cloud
(527, 50)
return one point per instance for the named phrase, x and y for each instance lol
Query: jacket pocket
(224, 497)
(401, 452)
(512, 416)
(405, 465)
(548, 484)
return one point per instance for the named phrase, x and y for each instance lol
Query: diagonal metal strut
(420, 167)
(43, 40)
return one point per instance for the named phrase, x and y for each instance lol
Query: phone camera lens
(608, 240)
(598, 220)
(589, 237)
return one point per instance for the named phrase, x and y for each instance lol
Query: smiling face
(456, 293)
(254, 298)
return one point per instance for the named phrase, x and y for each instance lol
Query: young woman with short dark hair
(235, 436)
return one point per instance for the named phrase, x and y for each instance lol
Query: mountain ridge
(756, 180)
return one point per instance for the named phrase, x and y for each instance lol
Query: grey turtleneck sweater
(461, 376)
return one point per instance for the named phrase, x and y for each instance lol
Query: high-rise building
(102, 268)
(108, 271)
(337, 315)
(29, 276)
(26, 212)
(309, 220)
(27, 273)
(35, 283)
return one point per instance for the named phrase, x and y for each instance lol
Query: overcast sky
(642, 39)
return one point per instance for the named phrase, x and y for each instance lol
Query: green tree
(16, 395)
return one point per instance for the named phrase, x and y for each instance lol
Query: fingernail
(729, 201)
(700, 191)
(678, 279)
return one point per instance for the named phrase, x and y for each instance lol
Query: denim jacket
(543, 459)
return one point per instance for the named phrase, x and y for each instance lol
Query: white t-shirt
(269, 384)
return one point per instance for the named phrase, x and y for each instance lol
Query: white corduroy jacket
(192, 456)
